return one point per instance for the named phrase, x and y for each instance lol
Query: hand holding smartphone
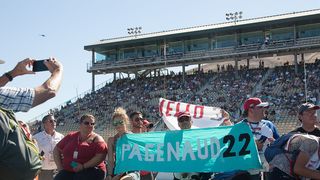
(263, 139)
(39, 65)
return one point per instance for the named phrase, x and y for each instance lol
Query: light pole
(305, 80)
(234, 17)
(134, 31)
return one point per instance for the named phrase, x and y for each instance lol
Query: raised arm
(51, 86)
(18, 70)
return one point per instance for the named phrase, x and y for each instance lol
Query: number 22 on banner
(243, 151)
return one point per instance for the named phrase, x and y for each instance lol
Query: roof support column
(183, 74)
(136, 77)
(294, 34)
(92, 74)
(305, 76)
(93, 82)
(236, 59)
(165, 49)
(295, 57)
(210, 43)
(248, 63)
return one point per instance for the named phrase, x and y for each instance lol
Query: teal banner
(216, 149)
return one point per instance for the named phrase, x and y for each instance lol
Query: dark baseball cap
(307, 106)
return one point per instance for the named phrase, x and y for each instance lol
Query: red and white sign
(202, 116)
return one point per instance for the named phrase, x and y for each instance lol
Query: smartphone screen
(39, 66)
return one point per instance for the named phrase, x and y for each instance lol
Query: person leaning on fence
(80, 155)
(120, 121)
(22, 99)
(300, 159)
(307, 114)
(47, 140)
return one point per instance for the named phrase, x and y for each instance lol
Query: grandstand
(242, 49)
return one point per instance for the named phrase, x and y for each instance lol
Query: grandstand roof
(219, 26)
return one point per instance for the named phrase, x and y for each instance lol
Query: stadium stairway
(259, 86)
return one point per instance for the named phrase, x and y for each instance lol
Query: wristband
(8, 75)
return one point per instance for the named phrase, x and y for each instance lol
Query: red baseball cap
(183, 114)
(251, 102)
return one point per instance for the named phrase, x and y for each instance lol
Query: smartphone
(39, 65)
(263, 139)
(73, 164)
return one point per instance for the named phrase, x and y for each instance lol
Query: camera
(39, 65)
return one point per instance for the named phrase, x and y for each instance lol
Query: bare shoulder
(98, 138)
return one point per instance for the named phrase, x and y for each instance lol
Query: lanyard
(79, 142)
(254, 130)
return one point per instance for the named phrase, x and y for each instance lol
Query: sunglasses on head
(88, 123)
(117, 122)
(183, 119)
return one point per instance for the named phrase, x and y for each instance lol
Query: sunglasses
(138, 119)
(51, 121)
(118, 122)
(88, 123)
(183, 119)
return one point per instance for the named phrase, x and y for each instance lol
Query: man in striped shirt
(22, 99)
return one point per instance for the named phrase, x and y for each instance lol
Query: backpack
(19, 155)
(278, 147)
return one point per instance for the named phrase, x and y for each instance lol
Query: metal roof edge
(208, 27)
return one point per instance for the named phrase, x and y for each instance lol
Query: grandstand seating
(280, 86)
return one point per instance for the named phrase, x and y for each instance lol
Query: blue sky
(71, 24)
